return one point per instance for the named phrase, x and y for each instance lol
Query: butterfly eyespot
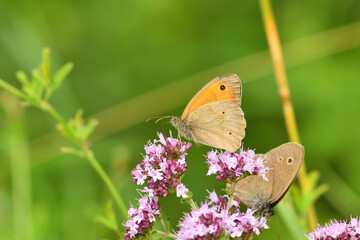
(230, 133)
(222, 87)
(290, 160)
(223, 112)
(280, 159)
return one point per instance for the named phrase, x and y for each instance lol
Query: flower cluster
(337, 230)
(213, 219)
(162, 166)
(231, 167)
(142, 218)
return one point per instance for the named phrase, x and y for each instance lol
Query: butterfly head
(175, 121)
(183, 128)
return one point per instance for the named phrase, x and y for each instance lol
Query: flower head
(336, 230)
(182, 191)
(142, 219)
(162, 166)
(231, 167)
(213, 219)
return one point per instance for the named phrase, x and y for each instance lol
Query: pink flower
(337, 230)
(163, 165)
(212, 220)
(142, 219)
(231, 167)
(182, 191)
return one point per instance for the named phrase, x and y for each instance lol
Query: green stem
(115, 194)
(12, 89)
(45, 106)
(166, 234)
(284, 92)
(192, 204)
(89, 156)
(18, 151)
(232, 186)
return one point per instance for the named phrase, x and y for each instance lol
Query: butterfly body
(284, 163)
(213, 117)
(182, 126)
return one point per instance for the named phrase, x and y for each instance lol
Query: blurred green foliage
(138, 59)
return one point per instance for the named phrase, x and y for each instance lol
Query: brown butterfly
(284, 163)
(213, 116)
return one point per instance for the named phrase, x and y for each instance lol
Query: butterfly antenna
(158, 118)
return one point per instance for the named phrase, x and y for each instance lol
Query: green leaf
(227, 190)
(45, 66)
(320, 190)
(82, 130)
(88, 129)
(36, 86)
(312, 193)
(61, 74)
(167, 223)
(12, 89)
(60, 128)
(190, 195)
(296, 196)
(291, 220)
(23, 79)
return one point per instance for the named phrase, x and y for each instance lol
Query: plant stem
(89, 156)
(192, 204)
(173, 236)
(284, 92)
(18, 151)
(95, 164)
(232, 186)
(12, 89)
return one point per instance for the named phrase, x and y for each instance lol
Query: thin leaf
(292, 221)
(320, 190)
(45, 66)
(61, 74)
(88, 129)
(23, 79)
(12, 89)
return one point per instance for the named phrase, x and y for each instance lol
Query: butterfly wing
(218, 124)
(254, 189)
(286, 161)
(226, 88)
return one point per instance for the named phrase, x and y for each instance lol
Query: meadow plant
(161, 170)
(336, 230)
(160, 173)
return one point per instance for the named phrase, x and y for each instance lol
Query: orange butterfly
(213, 116)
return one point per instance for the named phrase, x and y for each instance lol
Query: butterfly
(284, 163)
(213, 116)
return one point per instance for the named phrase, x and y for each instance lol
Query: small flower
(162, 166)
(203, 223)
(213, 219)
(231, 167)
(182, 191)
(239, 224)
(142, 218)
(336, 230)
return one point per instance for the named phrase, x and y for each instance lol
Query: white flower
(182, 191)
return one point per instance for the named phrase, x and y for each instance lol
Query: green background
(139, 59)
